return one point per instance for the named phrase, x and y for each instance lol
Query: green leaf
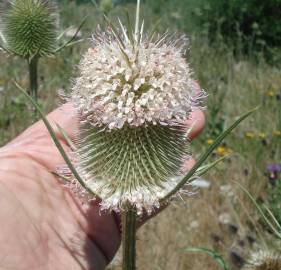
(66, 137)
(268, 222)
(202, 159)
(55, 139)
(203, 169)
(215, 255)
(70, 41)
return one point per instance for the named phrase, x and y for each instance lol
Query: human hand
(43, 224)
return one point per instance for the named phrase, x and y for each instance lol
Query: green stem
(129, 238)
(33, 81)
(33, 78)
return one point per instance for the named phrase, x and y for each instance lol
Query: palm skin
(43, 224)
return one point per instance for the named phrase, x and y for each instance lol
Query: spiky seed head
(264, 260)
(133, 95)
(29, 27)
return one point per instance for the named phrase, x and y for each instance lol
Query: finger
(195, 123)
(67, 118)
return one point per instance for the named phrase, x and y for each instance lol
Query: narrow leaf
(273, 217)
(66, 44)
(66, 137)
(63, 32)
(203, 169)
(272, 227)
(216, 256)
(206, 155)
(55, 140)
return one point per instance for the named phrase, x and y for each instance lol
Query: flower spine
(134, 94)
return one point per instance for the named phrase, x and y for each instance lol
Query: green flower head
(29, 27)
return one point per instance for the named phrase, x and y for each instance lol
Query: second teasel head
(29, 27)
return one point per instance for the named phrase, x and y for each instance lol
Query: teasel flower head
(29, 27)
(264, 260)
(134, 94)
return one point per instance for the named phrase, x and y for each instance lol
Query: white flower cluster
(144, 82)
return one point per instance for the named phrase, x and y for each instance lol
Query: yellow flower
(221, 151)
(262, 135)
(210, 141)
(250, 135)
(270, 93)
(277, 133)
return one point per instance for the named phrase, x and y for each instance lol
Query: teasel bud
(134, 95)
(264, 260)
(30, 27)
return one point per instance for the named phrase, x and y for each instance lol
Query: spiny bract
(134, 94)
(264, 260)
(30, 27)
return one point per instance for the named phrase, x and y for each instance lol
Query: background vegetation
(235, 47)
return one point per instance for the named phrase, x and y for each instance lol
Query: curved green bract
(30, 28)
(132, 157)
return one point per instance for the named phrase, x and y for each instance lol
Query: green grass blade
(63, 32)
(70, 41)
(75, 42)
(273, 217)
(206, 155)
(272, 227)
(66, 137)
(203, 169)
(216, 256)
(55, 139)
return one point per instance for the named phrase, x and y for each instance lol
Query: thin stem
(129, 238)
(33, 78)
(33, 81)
